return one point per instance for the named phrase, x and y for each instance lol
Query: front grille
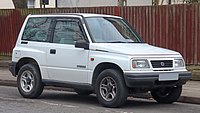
(162, 63)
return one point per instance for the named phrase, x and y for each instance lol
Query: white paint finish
(44, 72)
(6, 4)
(133, 49)
(59, 15)
(34, 50)
(17, 54)
(63, 65)
(123, 61)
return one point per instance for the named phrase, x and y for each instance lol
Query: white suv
(94, 53)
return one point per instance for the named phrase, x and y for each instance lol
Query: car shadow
(70, 97)
(91, 100)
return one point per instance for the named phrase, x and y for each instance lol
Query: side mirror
(82, 44)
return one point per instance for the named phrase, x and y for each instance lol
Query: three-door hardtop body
(94, 53)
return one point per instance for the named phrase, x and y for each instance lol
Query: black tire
(167, 95)
(83, 92)
(116, 88)
(29, 77)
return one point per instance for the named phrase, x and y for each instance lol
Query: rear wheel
(167, 95)
(110, 88)
(29, 81)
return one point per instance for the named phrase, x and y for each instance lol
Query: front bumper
(151, 80)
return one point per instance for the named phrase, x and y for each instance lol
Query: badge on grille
(162, 64)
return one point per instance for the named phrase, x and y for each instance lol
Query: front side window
(67, 31)
(111, 30)
(37, 29)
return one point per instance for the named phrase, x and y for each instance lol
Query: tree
(20, 3)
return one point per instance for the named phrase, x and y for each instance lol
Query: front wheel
(110, 88)
(167, 95)
(29, 81)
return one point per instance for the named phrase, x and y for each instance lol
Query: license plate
(168, 76)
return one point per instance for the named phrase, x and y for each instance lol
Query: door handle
(24, 42)
(52, 51)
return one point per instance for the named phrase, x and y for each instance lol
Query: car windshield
(111, 30)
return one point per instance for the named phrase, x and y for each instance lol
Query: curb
(191, 100)
(4, 64)
(8, 83)
(183, 99)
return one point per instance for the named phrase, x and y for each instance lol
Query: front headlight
(179, 63)
(140, 64)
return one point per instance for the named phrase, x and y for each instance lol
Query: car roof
(73, 14)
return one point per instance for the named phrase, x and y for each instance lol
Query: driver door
(65, 62)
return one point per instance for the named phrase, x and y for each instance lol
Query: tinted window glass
(37, 29)
(67, 32)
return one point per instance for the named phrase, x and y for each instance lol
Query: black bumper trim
(12, 67)
(150, 80)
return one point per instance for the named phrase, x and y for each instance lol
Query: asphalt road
(68, 102)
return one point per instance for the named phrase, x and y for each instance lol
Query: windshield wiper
(117, 42)
(123, 42)
(134, 42)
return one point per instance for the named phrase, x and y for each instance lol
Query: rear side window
(67, 31)
(37, 29)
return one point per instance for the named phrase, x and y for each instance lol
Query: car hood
(132, 49)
